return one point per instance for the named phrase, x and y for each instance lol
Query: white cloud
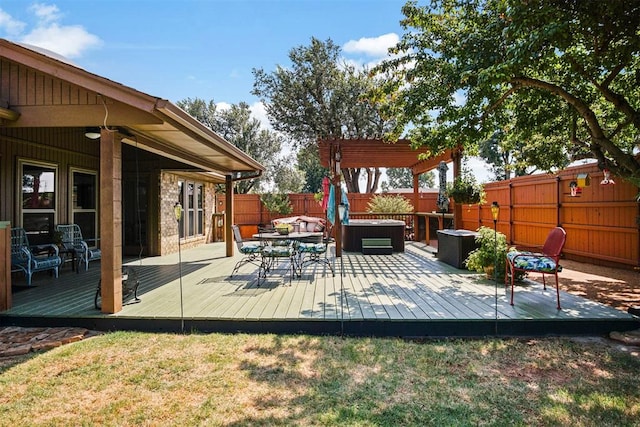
(10, 25)
(69, 41)
(376, 47)
(65, 40)
(259, 112)
(45, 12)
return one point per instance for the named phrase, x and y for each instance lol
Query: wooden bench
(377, 246)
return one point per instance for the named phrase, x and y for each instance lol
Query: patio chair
(130, 284)
(72, 240)
(315, 253)
(251, 251)
(25, 260)
(545, 262)
(273, 251)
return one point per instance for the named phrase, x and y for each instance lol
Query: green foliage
(277, 203)
(319, 96)
(492, 247)
(389, 204)
(558, 79)
(465, 189)
(309, 164)
(403, 178)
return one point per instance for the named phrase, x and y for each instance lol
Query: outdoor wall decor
(607, 178)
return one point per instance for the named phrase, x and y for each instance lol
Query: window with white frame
(84, 202)
(191, 197)
(38, 201)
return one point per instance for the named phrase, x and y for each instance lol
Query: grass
(126, 378)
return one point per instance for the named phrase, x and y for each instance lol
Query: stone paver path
(15, 340)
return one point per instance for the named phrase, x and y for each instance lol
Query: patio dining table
(270, 254)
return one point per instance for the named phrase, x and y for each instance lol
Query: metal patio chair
(72, 241)
(315, 253)
(251, 251)
(25, 260)
(545, 262)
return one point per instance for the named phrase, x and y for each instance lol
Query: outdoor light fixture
(92, 133)
(342, 208)
(177, 211)
(495, 210)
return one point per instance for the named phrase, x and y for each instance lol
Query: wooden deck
(409, 294)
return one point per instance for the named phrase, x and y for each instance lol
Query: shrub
(389, 204)
(277, 203)
(492, 247)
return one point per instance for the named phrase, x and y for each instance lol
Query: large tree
(562, 76)
(236, 125)
(403, 178)
(320, 96)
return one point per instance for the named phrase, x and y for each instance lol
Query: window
(191, 196)
(38, 200)
(84, 202)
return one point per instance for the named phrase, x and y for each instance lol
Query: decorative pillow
(311, 226)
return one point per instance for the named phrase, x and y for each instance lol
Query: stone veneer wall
(168, 230)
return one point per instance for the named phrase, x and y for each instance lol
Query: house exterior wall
(65, 148)
(168, 228)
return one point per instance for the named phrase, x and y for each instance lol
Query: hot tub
(357, 229)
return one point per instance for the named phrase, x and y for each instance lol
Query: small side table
(65, 253)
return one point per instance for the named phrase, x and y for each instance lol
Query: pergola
(337, 154)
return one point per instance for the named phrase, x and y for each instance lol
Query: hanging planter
(465, 190)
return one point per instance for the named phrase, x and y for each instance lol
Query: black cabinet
(454, 246)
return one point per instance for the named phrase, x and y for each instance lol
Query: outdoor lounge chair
(251, 251)
(545, 262)
(72, 240)
(23, 259)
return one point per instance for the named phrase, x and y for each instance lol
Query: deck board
(380, 294)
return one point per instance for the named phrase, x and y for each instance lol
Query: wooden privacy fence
(602, 221)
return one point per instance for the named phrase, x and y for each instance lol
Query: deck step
(377, 246)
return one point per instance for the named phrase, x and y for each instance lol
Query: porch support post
(111, 221)
(228, 219)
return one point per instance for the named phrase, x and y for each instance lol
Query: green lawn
(128, 378)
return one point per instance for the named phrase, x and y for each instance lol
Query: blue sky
(198, 48)
(201, 48)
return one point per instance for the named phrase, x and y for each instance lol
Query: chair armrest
(47, 247)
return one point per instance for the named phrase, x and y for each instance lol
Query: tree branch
(624, 161)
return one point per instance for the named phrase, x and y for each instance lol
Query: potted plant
(465, 189)
(318, 196)
(489, 256)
